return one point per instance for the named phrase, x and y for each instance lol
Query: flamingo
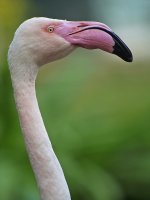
(36, 42)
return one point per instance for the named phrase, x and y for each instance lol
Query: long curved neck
(47, 170)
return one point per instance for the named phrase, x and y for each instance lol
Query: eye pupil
(50, 29)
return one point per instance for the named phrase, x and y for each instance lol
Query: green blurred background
(95, 106)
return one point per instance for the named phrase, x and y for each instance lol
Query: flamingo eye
(50, 29)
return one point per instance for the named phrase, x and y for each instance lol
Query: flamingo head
(42, 40)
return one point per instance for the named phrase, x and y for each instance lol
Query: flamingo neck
(46, 167)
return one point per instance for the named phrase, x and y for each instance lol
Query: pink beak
(94, 35)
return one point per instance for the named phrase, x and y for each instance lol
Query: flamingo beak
(95, 35)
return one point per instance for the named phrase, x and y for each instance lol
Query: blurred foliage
(96, 109)
(72, 10)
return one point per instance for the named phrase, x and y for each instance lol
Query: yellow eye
(50, 29)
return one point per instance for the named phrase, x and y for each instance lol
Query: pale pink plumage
(36, 42)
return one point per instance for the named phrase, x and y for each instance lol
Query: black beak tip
(123, 52)
(121, 49)
(129, 59)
